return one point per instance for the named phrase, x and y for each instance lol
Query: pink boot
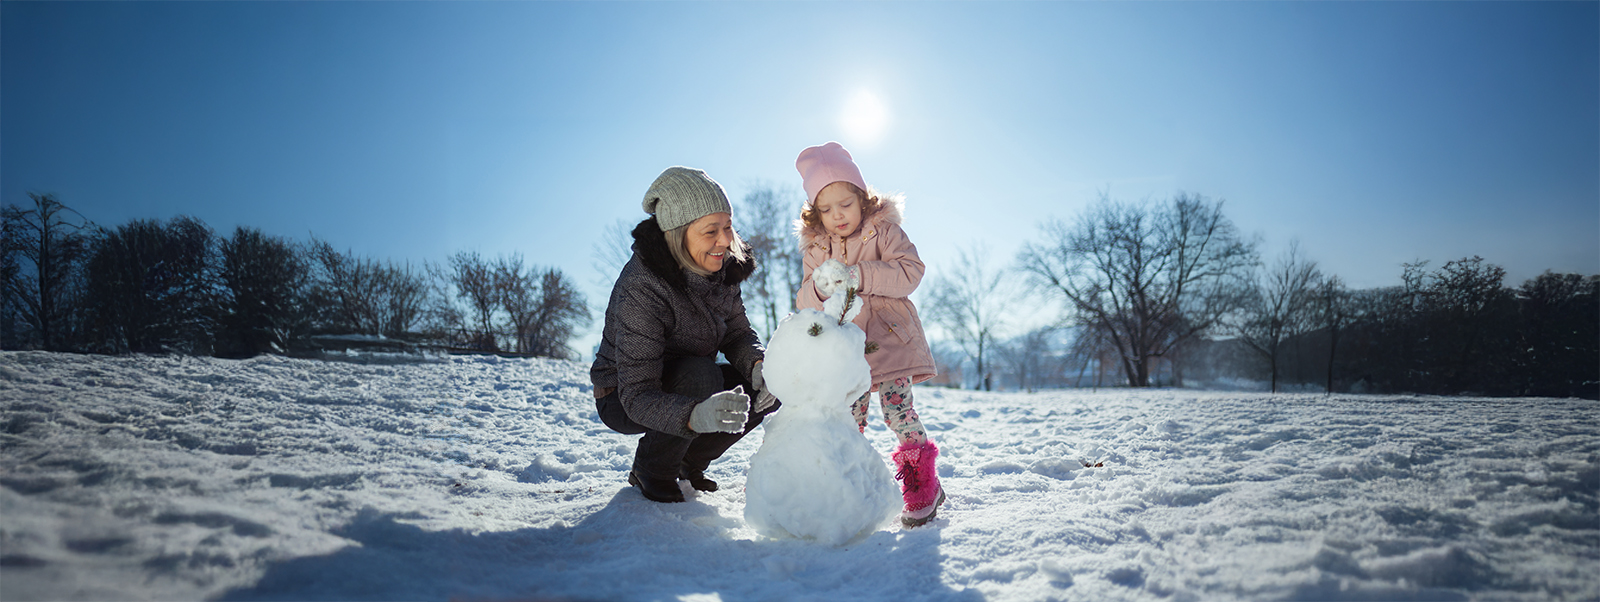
(919, 482)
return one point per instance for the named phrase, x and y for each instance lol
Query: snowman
(815, 477)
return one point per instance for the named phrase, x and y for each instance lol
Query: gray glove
(724, 412)
(764, 398)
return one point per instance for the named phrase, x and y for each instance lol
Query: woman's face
(839, 209)
(708, 239)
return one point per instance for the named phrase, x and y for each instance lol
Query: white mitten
(833, 277)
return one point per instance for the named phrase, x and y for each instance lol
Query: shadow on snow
(631, 549)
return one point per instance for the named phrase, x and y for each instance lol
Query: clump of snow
(815, 476)
(487, 478)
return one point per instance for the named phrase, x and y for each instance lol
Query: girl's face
(839, 208)
(708, 239)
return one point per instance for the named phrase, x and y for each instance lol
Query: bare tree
(542, 307)
(1091, 347)
(10, 281)
(765, 219)
(366, 296)
(562, 312)
(1148, 276)
(1558, 346)
(1333, 312)
(969, 304)
(264, 281)
(537, 310)
(1471, 320)
(406, 293)
(474, 281)
(612, 251)
(43, 289)
(950, 362)
(1030, 358)
(342, 290)
(1281, 306)
(518, 293)
(153, 288)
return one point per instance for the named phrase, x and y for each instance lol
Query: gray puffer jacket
(659, 312)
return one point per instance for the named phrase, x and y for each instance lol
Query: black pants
(662, 456)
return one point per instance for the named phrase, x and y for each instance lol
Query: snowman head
(814, 363)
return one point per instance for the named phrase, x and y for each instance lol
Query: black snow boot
(697, 479)
(655, 466)
(657, 490)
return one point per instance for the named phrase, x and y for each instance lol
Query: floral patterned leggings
(897, 411)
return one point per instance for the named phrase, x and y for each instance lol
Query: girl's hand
(833, 277)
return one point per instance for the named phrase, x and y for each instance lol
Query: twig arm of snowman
(844, 307)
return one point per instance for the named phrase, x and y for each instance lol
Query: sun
(865, 117)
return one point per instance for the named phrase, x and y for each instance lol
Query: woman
(675, 305)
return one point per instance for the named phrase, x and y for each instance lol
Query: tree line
(1160, 292)
(1151, 293)
(175, 286)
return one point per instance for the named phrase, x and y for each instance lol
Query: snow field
(481, 478)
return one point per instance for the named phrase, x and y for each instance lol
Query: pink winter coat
(890, 271)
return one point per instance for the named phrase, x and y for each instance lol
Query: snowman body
(814, 476)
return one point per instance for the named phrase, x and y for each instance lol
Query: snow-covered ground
(481, 478)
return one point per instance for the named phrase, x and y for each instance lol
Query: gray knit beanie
(683, 194)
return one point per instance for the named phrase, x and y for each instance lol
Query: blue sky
(1376, 133)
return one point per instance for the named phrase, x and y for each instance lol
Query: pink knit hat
(823, 165)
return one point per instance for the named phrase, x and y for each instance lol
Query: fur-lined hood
(650, 245)
(891, 210)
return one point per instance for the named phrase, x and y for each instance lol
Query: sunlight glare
(864, 118)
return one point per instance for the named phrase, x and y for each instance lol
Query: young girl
(851, 238)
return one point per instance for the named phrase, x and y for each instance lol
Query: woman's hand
(764, 398)
(725, 412)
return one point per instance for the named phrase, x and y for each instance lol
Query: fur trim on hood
(891, 209)
(650, 245)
